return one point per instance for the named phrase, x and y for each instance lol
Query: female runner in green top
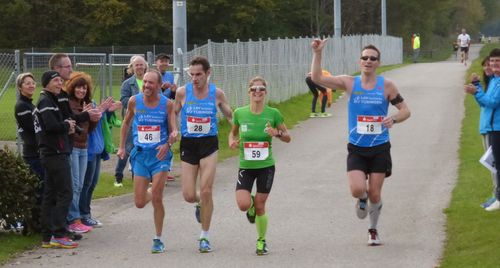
(254, 127)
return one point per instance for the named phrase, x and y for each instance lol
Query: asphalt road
(312, 222)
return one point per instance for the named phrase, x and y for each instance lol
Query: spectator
(53, 131)
(130, 87)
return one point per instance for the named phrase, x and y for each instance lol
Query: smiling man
(369, 158)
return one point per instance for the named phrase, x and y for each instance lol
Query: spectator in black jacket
(53, 131)
(26, 85)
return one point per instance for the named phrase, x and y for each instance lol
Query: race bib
(198, 125)
(148, 134)
(256, 150)
(368, 124)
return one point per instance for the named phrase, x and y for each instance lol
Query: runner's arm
(172, 123)
(337, 82)
(179, 99)
(233, 139)
(126, 126)
(224, 105)
(397, 100)
(283, 134)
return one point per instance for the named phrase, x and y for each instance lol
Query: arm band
(397, 100)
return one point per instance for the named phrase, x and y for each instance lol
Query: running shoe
(205, 246)
(63, 242)
(158, 246)
(46, 244)
(494, 206)
(197, 212)
(325, 114)
(79, 228)
(91, 222)
(313, 114)
(251, 211)
(118, 184)
(488, 202)
(361, 208)
(373, 238)
(262, 247)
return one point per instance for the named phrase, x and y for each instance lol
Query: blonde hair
(257, 79)
(130, 69)
(20, 79)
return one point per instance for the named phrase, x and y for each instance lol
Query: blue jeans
(91, 179)
(78, 168)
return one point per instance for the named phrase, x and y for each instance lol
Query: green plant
(17, 191)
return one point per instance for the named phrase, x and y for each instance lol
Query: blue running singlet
(150, 124)
(199, 116)
(367, 108)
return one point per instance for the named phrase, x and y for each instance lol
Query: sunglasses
(257, 88)
(372, 58)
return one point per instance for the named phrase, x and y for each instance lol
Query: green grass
(14, 243)
(472, 233)
(105, 187)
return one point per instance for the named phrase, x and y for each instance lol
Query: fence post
(17, 71)
(150, 58)
(110, 75)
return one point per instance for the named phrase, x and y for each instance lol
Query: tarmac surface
(312, 222)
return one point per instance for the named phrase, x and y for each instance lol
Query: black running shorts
(375, 159)
(264, 176)
(195, 149)
(464, 49)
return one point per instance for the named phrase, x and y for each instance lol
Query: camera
(78, 130)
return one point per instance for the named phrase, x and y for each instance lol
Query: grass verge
(472, 233)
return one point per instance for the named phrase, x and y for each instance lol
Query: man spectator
(53, 131)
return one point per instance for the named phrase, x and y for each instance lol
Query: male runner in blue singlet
(369, 159)
(197, 104)
(151, 115)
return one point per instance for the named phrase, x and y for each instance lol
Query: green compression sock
(261, 224)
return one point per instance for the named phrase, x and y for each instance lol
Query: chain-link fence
(284, 63)
(8, 95)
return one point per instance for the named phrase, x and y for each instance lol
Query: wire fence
(284, 63)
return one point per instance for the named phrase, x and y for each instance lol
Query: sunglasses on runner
(257, 88)
(372, 58)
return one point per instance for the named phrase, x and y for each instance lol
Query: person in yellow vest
(315, 89)
(416, 47)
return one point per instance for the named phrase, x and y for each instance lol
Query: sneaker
(118, 184)
(158, 246)
(325, 114)
(488, 202)
(494, 206)
(91, 222)
(361, 208)
(197, 212)
(262, 247)
(373, 239)
(170, 178)
(73, 236)
(63, 242)
(313, 115)
(205, 246)
(251, 211)
(79, 228)
(46, 244)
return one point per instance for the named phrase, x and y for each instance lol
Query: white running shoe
(373, 238)
(361, 208)
(494, 206)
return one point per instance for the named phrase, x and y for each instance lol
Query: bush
(17, 192)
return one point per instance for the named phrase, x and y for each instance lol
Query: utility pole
(180, 36)
(337, 25)
(384, 18)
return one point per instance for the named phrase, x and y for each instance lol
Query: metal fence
(284, 63)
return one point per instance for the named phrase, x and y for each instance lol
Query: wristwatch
(279, 134)
(393, 120)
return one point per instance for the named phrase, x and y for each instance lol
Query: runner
(369, 159)
(463, 40)
(197, 102)
(151, 113)
(258, 123)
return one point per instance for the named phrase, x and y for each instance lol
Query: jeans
(57, 195)
(91, 179)
(122, 163)
(78, 168)
(37, 169)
